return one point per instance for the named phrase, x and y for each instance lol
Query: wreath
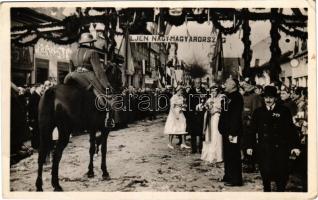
(225, 30)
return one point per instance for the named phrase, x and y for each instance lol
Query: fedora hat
(86, 38)
(270, 91)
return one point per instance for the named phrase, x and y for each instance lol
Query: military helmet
(86, 38)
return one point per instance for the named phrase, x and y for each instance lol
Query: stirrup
(109, 123)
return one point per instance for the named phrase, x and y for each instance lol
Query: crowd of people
(263, 127)
(25, 100)
(24, 113)
(228, 123)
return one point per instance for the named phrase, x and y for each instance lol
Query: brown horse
(71, 109)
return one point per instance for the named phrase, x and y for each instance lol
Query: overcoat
(272, 135)
(231, 115)
(195, 117)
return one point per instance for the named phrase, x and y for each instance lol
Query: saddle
(102, 101)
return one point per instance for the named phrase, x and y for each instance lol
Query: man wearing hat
(273, 127)
(86, 67)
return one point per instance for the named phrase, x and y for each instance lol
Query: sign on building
(48, 49)
(172, 38)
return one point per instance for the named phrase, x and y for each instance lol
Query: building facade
(295, 70)
(41, 61)
(294, 60)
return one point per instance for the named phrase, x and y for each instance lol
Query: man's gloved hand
(249, 152)
(295, 152)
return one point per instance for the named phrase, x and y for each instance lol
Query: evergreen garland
(73, 27)
(247, 53)
(174, 20)
(200, 18)
(294, 33)
(226, 31)
(274, 63)
(289, 24)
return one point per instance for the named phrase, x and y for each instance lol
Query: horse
(70, 109)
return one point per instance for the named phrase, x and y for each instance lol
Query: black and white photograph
(160, 98)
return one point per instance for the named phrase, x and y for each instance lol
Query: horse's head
(114, 74)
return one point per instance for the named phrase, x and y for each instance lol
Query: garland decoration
(71, 26)
(296, 21)
(247, 53)
(201, 17)
(274, 63)
(226, 31)
(294, 33)
(175, 20)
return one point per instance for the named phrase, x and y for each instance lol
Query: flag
(156, 12)
(129, 62)
(217, 56)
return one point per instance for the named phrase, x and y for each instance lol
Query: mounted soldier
(86, 68)
(72, 107)
(88, 73)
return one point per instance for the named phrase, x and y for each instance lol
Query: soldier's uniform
(87, 71)
(273, 136)
(86, 68)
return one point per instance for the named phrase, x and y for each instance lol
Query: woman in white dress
(212, 146)
(176, 122)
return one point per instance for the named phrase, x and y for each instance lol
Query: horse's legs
(104, 150)
(92, 138)
(45, 140)
(57, 155)
(43, 151)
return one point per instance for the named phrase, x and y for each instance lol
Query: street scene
(111, 99)
(148, 166)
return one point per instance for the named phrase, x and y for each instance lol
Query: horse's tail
(46, 122)
(46, 125)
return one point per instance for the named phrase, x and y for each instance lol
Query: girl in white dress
(212, 146)
(176, 122)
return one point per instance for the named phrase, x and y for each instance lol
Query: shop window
(42, 70)
(62, 71)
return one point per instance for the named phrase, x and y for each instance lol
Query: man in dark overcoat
(195, 114)
(274, 139)
(230, 127)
